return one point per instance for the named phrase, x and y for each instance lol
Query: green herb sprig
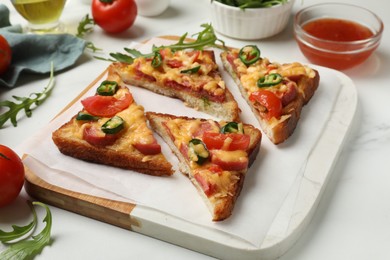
(243, 4)
(26, 103)
(85, 27)
(205, 38)
(24, 248)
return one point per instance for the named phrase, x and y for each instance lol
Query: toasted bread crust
(223, 207)
(81, 149)
(281, 131)
(227, 110)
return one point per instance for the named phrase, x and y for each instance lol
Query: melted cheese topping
(223, 182)
(231, 156)
(207, 79)
(135, 131)
(182, 131)
(250, 75)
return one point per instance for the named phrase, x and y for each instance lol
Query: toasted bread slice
(218, 164)
(297, 86)
(191, 76)
(133, 147)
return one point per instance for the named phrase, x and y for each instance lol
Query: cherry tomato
(11, 175)
(148, 149)
(5, 55)
(106, 106)
(114, 16)
(268, 100)
(217, 141)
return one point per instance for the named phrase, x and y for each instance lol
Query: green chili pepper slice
(232, 127)
(191, 70)
(249, 54)
(157, 60)
(107, 88)
(113, 125)
(269, 80)
(82, 116)
(198, 151)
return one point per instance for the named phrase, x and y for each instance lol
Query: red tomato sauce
(337, 30)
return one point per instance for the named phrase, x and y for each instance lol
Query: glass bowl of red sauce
(338, 36)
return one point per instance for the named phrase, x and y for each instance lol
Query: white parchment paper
(267, 184)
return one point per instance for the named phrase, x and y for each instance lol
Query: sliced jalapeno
(86, 117)
(107, 88)
(232, 127)
(191, 70)
(198, 151)
(269, 80)
(113, 125)
(249, 54)
(157, 60)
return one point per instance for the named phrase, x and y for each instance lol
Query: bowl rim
(235, 8)
(298, 30)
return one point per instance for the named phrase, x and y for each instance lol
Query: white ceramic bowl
(252, 23)
(151, 7)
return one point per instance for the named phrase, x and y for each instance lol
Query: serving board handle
(109, 211)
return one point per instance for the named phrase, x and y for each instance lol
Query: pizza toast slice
(214, 155)
(189, 75)
(112, 129)
(275, 92)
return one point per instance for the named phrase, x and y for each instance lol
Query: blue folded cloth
(32, 53)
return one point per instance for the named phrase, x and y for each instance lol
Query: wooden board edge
(109, 211)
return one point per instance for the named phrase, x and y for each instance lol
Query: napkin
(32, 53)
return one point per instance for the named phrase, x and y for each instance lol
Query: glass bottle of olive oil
(40, 13)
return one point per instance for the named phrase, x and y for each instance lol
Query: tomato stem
(5, 157)
(107, 1)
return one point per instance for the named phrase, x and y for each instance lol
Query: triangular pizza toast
(112, 129)
(189, 75)
(275, 92)
(214, 155)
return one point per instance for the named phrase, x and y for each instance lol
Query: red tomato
(96, 137)
(11, 175)
(268, 100)
(114, 16)
(148, 149)
(106, 106)
(217, 141)
(5, 55)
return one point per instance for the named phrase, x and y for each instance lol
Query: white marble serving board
(230, 239)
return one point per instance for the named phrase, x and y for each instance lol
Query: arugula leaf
(122, 57)
(86, 26)
(205, 38)
(27, 248)
(18, 231)
(243, 4)
(26, 103)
